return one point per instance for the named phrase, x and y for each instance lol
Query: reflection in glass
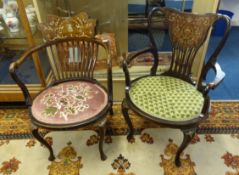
(111, 15)
(137, 15)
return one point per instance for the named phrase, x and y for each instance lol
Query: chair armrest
(111, 53)
(127, 60)
(12, 70)
(212, 62)
(109, 80)
(217, 80)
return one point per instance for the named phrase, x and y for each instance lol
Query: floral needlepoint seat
(69, 102)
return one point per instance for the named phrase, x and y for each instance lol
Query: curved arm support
(217, 80)
(213, 58)
(128, 60)
(212, 62)
(154, 46)
(109, 80)
(109, 70)
(12, 71)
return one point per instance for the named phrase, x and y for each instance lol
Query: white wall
(233, 6)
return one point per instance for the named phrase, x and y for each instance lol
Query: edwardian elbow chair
(74, 99)
(173, 99)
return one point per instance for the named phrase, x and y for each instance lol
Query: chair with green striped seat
(172, 98)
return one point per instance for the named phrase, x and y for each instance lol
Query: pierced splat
(74, 58)
(187, 33)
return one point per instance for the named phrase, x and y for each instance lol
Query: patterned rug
(224, 118)
(151, 153)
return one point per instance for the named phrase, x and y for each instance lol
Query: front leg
(125, 109)
(36, 134)
(188, 135)
(101, 141)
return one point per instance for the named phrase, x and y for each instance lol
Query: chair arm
(212, 62)
(105, 38)
(109, 80)
(217, 80)
(12, 70)
(127, 60)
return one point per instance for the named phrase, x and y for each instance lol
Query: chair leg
(188, 135)
(101, 141)
(111, 110)
(36, 134)
(125, 109)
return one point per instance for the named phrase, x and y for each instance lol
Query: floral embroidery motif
(195, 139)
(121, 165)
(2, 142)
(9, 167)
(94, 139)
(209, 138)
(31, 143)
(169, 166)
(67, 162)
(231, 161)
(67, 100)
(146, 138)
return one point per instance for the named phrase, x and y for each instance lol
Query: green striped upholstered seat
(166, 98)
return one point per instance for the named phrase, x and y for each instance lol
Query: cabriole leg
(36, 134)
(125, 110)
(101, 141)
(188, 135)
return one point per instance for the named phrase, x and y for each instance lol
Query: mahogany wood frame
(178, 69)
(99, 119)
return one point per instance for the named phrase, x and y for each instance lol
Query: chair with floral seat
(173, 99)
(75, 98)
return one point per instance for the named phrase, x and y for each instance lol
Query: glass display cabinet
(111, 17)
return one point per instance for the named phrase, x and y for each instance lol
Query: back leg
(125, 109)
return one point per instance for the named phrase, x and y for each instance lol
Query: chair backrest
(57, 27)
(74, 57)
(187, 32)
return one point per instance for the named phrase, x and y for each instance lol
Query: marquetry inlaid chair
(173, 99)
(75, 98)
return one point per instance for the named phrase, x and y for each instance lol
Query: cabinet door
(34, 71)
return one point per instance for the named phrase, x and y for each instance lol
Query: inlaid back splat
(187, 33)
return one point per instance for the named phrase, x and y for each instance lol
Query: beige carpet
(152, 153)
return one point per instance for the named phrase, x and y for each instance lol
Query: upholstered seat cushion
(69, 102)
(166, 98)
